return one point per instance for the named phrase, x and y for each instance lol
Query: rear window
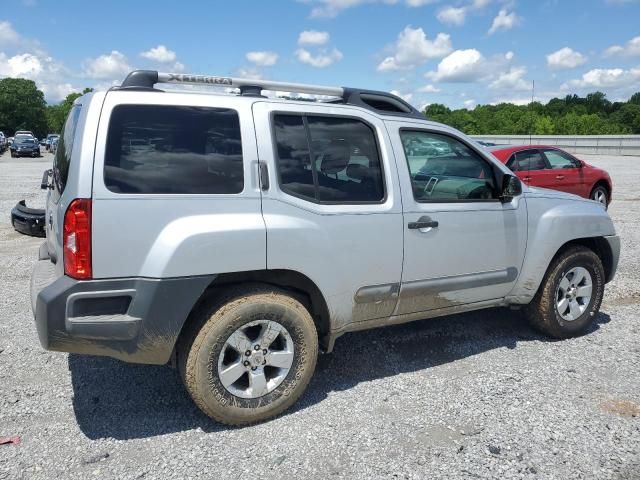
(173, 150)
(65, 146)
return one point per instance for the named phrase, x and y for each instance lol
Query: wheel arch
(298, 284)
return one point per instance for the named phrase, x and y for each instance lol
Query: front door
(565, 173)
(462, 245)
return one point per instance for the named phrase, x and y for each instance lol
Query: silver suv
(236, 234)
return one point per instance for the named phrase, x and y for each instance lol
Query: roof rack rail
(381, 102)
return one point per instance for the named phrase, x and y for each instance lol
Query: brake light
(76, 238)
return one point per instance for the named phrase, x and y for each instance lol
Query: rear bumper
(29, 223)
(132, 319)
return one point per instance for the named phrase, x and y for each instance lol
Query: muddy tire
(570, 294)
(249, 356)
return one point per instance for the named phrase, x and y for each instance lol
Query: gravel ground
(471, 396)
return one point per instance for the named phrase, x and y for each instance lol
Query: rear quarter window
(62, 159)
(173, 150)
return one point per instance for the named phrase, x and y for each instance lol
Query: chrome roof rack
(381, 102)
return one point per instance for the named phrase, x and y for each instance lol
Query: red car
(549, 167)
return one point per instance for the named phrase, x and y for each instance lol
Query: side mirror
(46, 183)
(511, 187)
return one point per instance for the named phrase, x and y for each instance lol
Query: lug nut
(257, 347)
(246, 363)
(253, 368)
(264, 351)
(247, 353)
(264, 362)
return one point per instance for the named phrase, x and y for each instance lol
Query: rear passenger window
(527, 160)
(328, 159)
(173, 149)
(62, 159)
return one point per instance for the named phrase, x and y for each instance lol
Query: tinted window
(65, 146)
(444, 169)
(170, 149)
(294, 161)
(527, 160)
(558, 159)
(328, 159)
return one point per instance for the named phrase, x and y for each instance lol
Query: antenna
(533, 89)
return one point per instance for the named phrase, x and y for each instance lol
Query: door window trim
(492, 167)
(304, 115)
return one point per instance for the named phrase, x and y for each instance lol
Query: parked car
(49, 139)
(10, 141)
(24, 132)
(550, 167)
(265, 228)
(4, 144)
(25, 146)
(54, 145)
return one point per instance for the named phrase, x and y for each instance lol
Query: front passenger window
(444, 169)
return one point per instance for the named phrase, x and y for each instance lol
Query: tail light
(76, 239)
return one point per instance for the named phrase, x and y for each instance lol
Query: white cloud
(504, 21)
(313, 37)
(429, 89)
(8, 36)
(25, 65)
(412, 48)
(605, 78)
(565, 58)
(160, 54)
(262, 59)
(511, 80)
(322, 59)
(405, 96)
(460, 66)
(108, 66)
(249, 72)
(469, 104)
(631, 49)
(452, 15)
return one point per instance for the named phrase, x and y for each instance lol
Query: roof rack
(381, 102)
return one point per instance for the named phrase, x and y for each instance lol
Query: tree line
(23, 107)
(571, 115)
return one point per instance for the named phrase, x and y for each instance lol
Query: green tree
(22, 107)
(544, 126)
(57, 114)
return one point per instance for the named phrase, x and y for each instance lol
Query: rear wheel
(250, 357)
(600, 194)
(570, 294)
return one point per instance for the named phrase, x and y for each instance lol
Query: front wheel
(600, 195)
(570, 294)
(251, 357)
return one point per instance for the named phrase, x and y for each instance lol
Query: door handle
(423, 222)
(559, 177)
(526, 179)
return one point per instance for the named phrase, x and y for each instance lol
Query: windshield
(25, 141)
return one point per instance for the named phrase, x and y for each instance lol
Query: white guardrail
(596, 144)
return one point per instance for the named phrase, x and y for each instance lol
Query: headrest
(358, 171)
(335, 157)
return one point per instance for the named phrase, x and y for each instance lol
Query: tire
(600, 194)
(543, 312)
(205, 346)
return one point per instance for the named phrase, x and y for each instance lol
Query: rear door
(529, 165)
(332, 205)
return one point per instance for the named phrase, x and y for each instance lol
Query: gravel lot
(472, 396)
